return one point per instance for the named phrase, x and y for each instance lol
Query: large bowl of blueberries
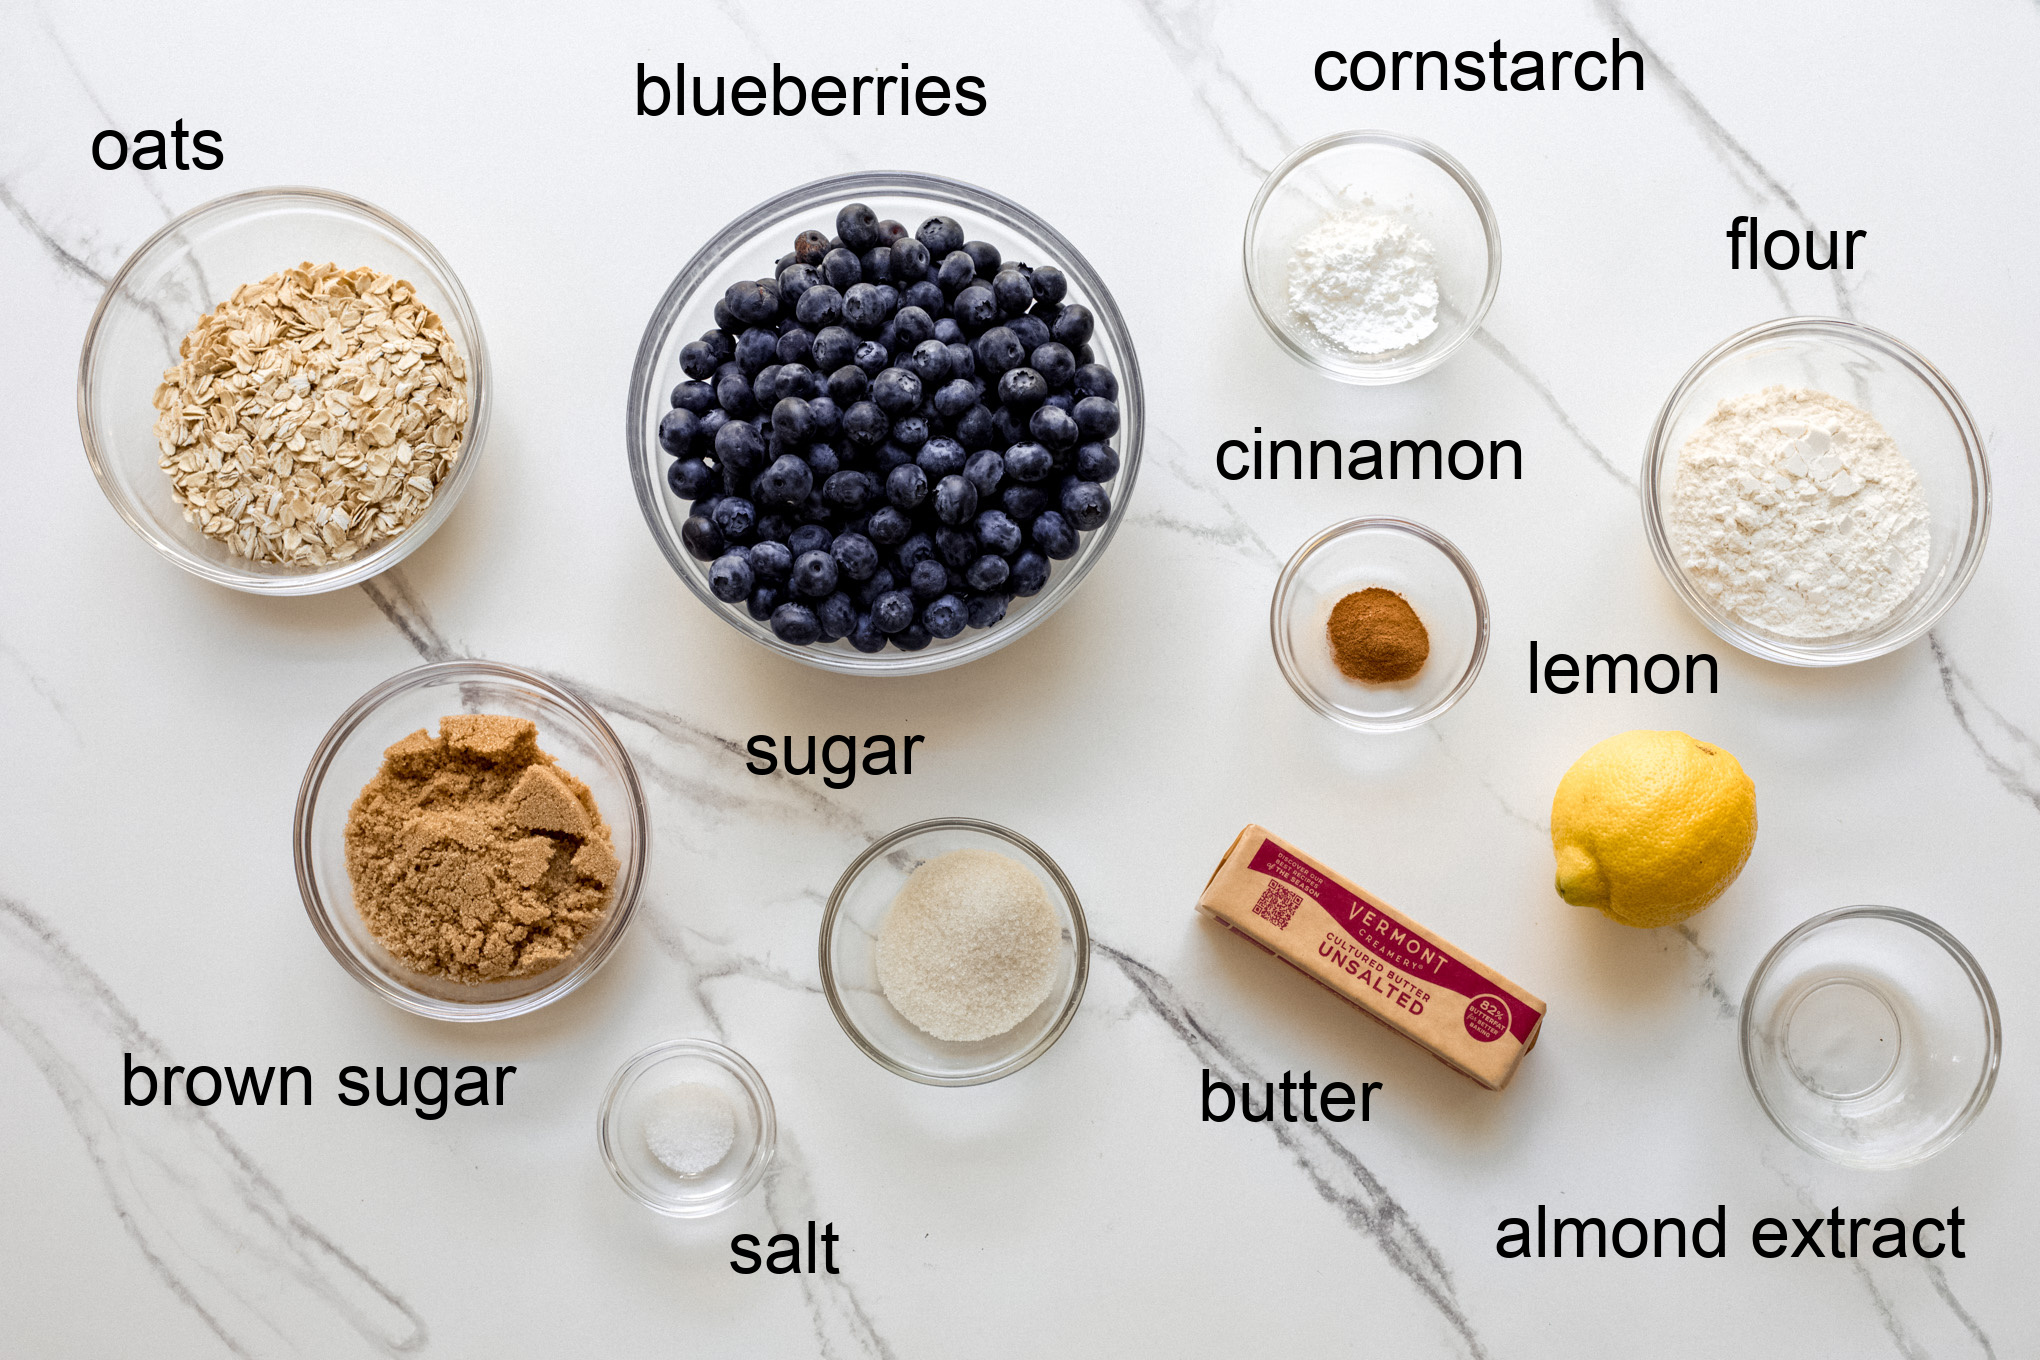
(885, 423)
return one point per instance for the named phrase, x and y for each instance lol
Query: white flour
(1798, 513)
(1364, 283)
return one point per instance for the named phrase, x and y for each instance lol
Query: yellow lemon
(1650, 827)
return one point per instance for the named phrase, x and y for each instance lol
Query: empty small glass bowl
(1870, 1037)
(627, 1106)
(1383, 174)
(183, 272)
(746, 249)
(351, 754)
(1416, 563)
(1909, 397)
(849, 958)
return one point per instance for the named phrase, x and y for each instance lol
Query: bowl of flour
(1816, 492)
(1370, 256)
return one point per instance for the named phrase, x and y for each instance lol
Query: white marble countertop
(156, 727)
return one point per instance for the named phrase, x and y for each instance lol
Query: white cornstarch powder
(1799, 514)
(1364, 283)
(690, 1127)
(969, 947)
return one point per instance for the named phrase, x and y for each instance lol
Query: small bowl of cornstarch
(1371, 256)
(954, 952)
(1816, 492)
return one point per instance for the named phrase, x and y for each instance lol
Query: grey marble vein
(67, 260)
(2011, 756)
(393, 597)
(1340, 1179)
(1733, 154)
(1939, 1279)
(1709, 981)
(1235, 534)
(211, 1224)
(1486, 339)
(44, 691)
(1254, 137)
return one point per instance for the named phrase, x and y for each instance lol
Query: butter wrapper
(1344, 938)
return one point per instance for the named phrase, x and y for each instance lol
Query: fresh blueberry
(954, 397)
(978, 428)
(1032, 330)
(753, 301)
(808, 538)
(787, 482)
(864, 308)
(892, 611)
(765, 385)
(890, 232)
(791, 422)
(730, 578)
(1022, 389)
(928, 579)
(890, 455)
(865, 636)
(796, 279)
(1085, 504)
(738, 445)
(840, 269)
(876, 264)
(737, 518)
(975, 308)
(911, 638)
(756, 348)
(855, 556)
(913, 324)
(945, 616)
(1030, 573)
(796, 623)
(987, 573)
(909, 260)
(712, 422)
(1053, 426)
(697, 359)
(773, 527)
(984, 257)
(911, 431)
(679, 426)
(814, 575)
(888, 299)
(962, 362)
(847, 386)
(1013, 292)
(947, 331)
(906, 486)
(1022, 502)
(888, 526)
(834, 347)
(825, 415)
(866, 592)
(796, 345)
(941, 458)
(997, 531)
(690, 478)
(896, 391)
(864, 425)
(984, 471)
(850, 492)
(694, 395)
(914, 551)
(997, 351)
(837, 616)
(940, 235)
(926, 295)
(1009, 427)
(930, 363)
(1095, 380)
(957, 548)
(955, 500)
(763, 601)
(985, 610)
(725, 319)
(1072, 324)
(819, 307)
(1097, 462)
(733, 394)
(810, 246)
(771, 562)
(815, 511)
(1049, 284)
(858, 226)
(1097, 417)
(702, 538)
(1053, 535)
(873, 358)
(1055, 363)
(954, 273)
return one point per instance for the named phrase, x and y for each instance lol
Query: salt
(689, 1127)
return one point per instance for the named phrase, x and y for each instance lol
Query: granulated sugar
(969, 947)
(1364, 283)
(689, 1127)
(1798, 512)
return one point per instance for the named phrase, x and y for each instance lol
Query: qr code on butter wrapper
(1278, 904)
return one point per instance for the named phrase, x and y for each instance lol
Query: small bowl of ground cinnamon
(470, 840)
(1380, 624)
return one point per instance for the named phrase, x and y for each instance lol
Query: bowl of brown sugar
(470, 840)
(1380, 624)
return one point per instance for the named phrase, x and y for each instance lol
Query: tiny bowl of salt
(1816, 492)
(954, 952)
(1371, 255)
(687, 1127)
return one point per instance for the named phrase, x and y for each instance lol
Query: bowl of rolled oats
(284, 391)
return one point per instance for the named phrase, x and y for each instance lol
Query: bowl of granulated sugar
(954, 952)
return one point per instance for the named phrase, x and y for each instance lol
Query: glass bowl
(620, 1127)
(1384, 174)
(183, 272)
(1908, 395)
(849, 958)
(352, 752)
(1417, 564)
(746, 249)
(1870, 1037)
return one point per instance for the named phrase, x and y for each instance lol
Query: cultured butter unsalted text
(1420, 985)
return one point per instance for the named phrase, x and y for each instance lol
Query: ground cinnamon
(474, 856)
(1377, 638)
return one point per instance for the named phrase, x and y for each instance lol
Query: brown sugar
(1377, 638)
(476, 857)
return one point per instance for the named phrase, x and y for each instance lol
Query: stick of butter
(1336, 933)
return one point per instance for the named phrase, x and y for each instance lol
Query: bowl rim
(720, 247)
(1986, 1080)
(1658, 453)
(1285, 659)
(570, 973)
(1079, 932)
(731, 1061)
(390, 551)
(1360, 372)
